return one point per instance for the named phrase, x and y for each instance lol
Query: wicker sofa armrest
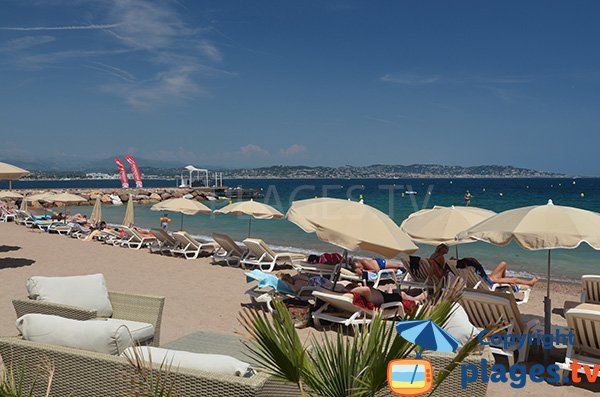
(143, 308)
(26, 306)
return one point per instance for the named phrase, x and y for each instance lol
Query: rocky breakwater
(110, 196)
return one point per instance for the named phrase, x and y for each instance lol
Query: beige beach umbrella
(440, 225)
(183, 206)
(543, 227)
(65, 198)
(11, 172)
(44, 196)
(252, 208)
(351, 226)
(129, 218)
(96, 216)
(8, 194)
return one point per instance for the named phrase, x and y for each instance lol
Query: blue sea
(387, 195)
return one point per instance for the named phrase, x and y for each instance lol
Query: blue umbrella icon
(427, 335)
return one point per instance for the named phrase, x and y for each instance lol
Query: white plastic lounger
(6, 216)
(264, 258)
(190, 248)
(584, 322)
(591, 289)
(165, 243)
(228, 250)
(135, 240)
(339, 309)
(486, 307)
(421, 276)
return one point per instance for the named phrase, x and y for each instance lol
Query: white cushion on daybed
(83, 291)
(97, 336)
(140, 332)
(212, 363)
(459, 326)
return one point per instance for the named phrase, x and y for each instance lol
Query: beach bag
(300, 314)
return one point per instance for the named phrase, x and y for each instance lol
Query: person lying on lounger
(498, 275)
(374, 265)
(378, 297)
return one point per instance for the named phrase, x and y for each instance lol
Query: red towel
(360, 301)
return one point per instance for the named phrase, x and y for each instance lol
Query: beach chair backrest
(163, 236)
(584, 322)
(129, 233)
(422, 273)
(340, 301)
(228, 244)
(259, 249)
(591, 288)
(184, 240)
(195, 243)
(486, 308)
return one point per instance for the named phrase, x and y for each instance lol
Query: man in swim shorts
(374, 265)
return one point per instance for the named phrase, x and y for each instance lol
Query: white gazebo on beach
(194, 175)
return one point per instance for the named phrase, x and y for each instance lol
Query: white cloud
(293, 150)
(410, 79)
(22, 43)
(252, 150)
(210, 51)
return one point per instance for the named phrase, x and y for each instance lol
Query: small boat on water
(410, 192)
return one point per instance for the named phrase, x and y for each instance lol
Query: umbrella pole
(9, 184)
(456, 251)
(547, 310)
(249, 225)
(338, 269)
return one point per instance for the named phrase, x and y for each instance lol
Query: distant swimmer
(468, 198)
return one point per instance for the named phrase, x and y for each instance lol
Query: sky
(257, 83)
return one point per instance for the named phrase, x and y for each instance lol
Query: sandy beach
(199, 296)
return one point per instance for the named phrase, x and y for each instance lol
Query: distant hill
(389, 171)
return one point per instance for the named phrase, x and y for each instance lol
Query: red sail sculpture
(122, 173)
(135, 170)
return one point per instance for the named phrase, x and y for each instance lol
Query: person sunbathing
(96, 230)
(374, 265)
(378, 297)
(299, 281)
(498, 275)
(438, 261)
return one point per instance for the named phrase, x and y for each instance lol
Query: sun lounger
(420, 276)
(584, 323)
(264, 258)
(190, 248)
(229, 250)
(134, 240)
(24, 218)
(591, 289)
(338, 308)
(475, 281)
(268, 285)
(486, 308)
(165, 243)
(7, 216)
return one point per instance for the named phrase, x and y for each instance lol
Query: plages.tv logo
(412, 377)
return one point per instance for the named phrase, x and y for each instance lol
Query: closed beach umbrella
(96, 216)
(440, 225)
(183, 206)
(427, 335)
(11, 172)
(351, 226)
(24, 204)
(7, 194)
(543, 227)
(129, 218)
(252, 208)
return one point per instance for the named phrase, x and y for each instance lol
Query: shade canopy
(96, 216)
(539, 227)
(64, 198)
(252, 208)
(9, 171)
(129, 218)
(182, 205)
(7, 194)
(351, 226)
(439, 224)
